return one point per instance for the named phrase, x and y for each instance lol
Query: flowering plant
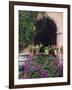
(41, 66)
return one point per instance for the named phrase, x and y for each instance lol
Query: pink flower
(26, 67)
(30, 57)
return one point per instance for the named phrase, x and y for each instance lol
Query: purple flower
(44, 74)
(56, 62)
(26, 67)
(60, 65)
(30, 57)
(36, 68)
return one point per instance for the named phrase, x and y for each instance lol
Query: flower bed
(41, 66)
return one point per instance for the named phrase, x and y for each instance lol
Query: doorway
(45, 32)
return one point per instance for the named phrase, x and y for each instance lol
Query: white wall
(4, 45)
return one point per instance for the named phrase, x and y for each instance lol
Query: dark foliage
(46, 32)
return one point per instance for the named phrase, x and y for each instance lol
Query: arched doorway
(46, 32)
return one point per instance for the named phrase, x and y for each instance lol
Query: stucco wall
(58, 18)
